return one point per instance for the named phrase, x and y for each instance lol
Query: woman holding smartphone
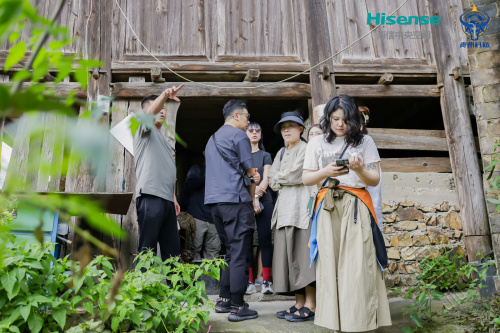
(351, 294)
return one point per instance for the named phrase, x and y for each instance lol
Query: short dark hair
(232, 106)
(148, 98)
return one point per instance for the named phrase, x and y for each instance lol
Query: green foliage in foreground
(444, 273)
(39, 293)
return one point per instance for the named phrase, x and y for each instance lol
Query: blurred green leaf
(16, 53)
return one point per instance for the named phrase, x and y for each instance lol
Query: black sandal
(282, 314)
(302, 315)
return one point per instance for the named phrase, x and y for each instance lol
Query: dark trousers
(235, 224)
(265, 235)
(157, 224)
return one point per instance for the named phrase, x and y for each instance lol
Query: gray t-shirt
(223, 184)
(154, 163)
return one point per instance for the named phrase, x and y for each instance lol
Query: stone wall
(413, 232)
(484, 65)
(421, 219)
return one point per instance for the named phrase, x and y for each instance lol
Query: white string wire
(259, 86)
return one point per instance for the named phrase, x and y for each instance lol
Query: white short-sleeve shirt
(320, 153)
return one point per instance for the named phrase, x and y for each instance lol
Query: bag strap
(224, 157)
(340, 157)
(282, 153)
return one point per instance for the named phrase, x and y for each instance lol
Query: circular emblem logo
(474, 23)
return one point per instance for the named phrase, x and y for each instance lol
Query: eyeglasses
(246, 114)
(256, 130)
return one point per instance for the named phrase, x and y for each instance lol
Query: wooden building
(414, 78)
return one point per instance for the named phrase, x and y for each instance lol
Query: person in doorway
(375, 191)
(155, 170)
(351, 294)
(206, 243)
(230, 190)
(292, 272)
(315, 130)
(263, 210)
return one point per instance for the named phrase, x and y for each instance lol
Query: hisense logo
(380, 18)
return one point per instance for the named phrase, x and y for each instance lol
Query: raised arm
(159, 102)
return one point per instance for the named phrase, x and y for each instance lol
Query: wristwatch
(257, 196)
(252, 180)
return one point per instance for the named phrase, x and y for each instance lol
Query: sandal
(302, 315)
(282, 314)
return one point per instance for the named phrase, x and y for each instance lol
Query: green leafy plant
(496, 182)
(34, 291)
(482, 316)
(440, 274)
(39, 293)
(166, 297)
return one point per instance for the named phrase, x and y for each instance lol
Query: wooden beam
(63, 88)
(463, 155)
(386, 78)
(416, 164)
(183, 66)
(390, 138)
(252, 75)
(282, 90)
(382, 91)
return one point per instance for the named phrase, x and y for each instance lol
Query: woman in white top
(351, 295)
(291, 270)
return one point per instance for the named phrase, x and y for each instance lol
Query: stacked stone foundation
(413, 232)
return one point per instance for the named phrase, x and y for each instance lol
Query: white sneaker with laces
(266, 288)
(250, 289)
(258, 281)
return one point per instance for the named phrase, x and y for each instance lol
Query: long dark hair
(352, 117)
(254, 124)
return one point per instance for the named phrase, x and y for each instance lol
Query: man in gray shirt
(232, 205)
(155, 170)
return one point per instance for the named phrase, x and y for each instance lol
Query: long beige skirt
(350, 289)
(291, 270)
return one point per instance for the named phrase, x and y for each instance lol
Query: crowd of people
(319, 240)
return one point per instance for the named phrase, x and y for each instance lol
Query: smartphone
(343, 163)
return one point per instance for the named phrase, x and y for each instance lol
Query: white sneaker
(250, 289)
(266, 288)
(258, 281)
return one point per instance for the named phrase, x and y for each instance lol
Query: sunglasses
(256, 130)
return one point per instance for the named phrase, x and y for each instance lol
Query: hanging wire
(259, 86)
(71, 10)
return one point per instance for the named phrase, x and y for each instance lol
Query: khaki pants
(350, 289)
(207, 242)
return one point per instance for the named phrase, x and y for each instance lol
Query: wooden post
(129, 221)
(318, 39)
(463, 154)
(80, 178)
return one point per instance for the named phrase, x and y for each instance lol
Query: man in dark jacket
(207, 242)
